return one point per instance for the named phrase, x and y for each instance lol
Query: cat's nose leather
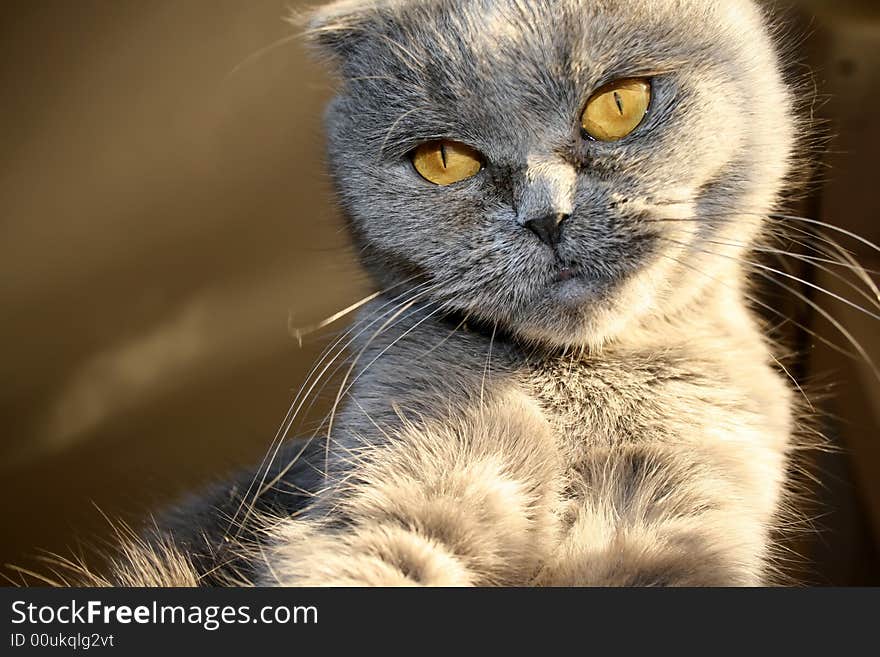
(548, 228)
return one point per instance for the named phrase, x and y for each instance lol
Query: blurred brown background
(165, 214)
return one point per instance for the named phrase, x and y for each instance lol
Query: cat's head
(565, 168)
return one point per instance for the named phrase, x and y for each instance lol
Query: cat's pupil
(619, 101)
(443, 154)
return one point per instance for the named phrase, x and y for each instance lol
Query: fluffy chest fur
(624, 465)
(707, 382)
(630, 396)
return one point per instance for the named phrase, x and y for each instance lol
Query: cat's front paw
(465, 502)
(306, 555)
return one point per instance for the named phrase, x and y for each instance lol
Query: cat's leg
(668, 515)
(469, 501)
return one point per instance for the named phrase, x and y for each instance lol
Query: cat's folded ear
(335, 29)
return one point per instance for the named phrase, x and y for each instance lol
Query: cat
(563, 381)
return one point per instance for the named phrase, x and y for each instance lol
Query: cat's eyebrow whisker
(257, 54)
(364, 78)
(394, 125)
(418, 63)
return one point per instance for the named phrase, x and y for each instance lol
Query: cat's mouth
(567, 272)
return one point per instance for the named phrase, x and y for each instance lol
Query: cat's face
(647, 218)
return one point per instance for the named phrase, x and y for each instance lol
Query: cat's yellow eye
(617, 109)
(446, 162)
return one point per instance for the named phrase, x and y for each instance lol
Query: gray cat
(562, 382)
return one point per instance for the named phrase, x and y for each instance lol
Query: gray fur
(625, 427)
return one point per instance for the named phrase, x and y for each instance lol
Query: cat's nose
(548, 228)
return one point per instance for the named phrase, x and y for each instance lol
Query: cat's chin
(574, 289)
(579, 310)
(575, 313)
